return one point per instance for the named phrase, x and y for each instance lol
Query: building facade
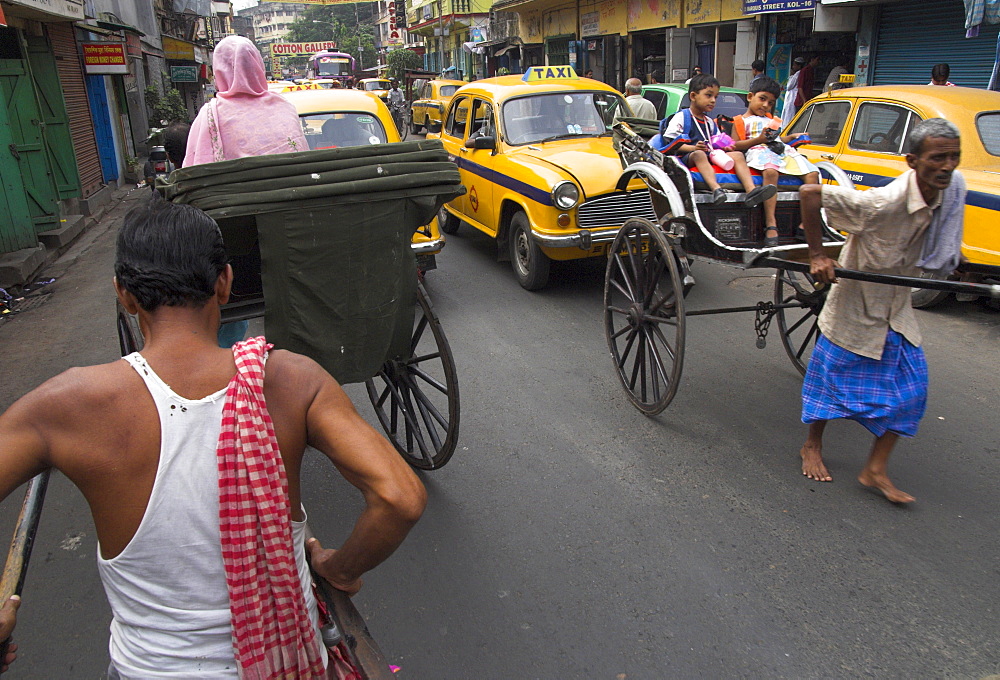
(452, 31)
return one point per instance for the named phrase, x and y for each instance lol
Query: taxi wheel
(530, 264)
(923, 298)
(447, 222)
(414, 126)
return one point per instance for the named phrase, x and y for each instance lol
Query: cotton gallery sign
(298, 49)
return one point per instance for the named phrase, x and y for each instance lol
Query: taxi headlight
(565, 195)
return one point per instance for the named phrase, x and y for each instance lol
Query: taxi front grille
(613, 210)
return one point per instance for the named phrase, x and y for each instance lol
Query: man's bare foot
(880, 482)
(812, 463)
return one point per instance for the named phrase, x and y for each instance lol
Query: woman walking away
(243, 119)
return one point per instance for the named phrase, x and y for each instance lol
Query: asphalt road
(572, 537)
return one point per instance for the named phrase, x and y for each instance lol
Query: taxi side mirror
(481, 143)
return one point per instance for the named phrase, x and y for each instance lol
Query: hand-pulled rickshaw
(648, 272)
(321, 247)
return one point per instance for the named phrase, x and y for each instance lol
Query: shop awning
(111, 25)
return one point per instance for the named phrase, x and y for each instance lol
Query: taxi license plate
(602, 248)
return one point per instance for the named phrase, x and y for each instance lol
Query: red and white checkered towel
(272, 633)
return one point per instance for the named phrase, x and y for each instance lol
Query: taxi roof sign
(304, 86)
(536, 73)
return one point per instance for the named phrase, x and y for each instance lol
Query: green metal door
(16, 230)
(55, 122)
(28, 147)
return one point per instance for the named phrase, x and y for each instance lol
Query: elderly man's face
(936, 161)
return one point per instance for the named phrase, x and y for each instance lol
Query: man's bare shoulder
(80, 389)
(289, 371)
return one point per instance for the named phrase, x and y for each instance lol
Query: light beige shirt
(886, 227)
(641, 107)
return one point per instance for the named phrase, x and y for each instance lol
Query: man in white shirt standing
(641, 107)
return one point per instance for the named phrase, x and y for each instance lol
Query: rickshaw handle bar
(988, 290)
(16, 567)
(364, 652)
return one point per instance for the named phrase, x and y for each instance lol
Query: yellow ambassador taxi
(863, 130)
(377, 86)
(535, 153)
(430, 102)
(339, 117)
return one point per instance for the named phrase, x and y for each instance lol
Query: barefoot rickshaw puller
(868, 364)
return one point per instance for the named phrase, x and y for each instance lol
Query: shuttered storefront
(81, 125)
(913, 36)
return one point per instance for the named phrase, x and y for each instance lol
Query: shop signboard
(302, 48)
(67, 9)
(590, 24)
(184, 74)
(177, 50)
(105, 58)
(769, 6)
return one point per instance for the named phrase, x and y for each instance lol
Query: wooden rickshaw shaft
(984, 289)
(16, 567)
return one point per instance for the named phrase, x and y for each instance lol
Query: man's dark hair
(758, 65)
(766, 84)
(175, 141)
(169, 254)
(701, 81)
(657, 75)
(940, 72)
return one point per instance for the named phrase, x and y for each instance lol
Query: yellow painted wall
(543, 18)
(710, 11)
(648, 14)
(612, 16)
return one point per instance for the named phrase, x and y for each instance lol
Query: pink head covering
(229, 126)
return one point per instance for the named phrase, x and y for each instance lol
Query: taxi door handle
(827, 156)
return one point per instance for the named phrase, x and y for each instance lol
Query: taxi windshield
(559, 115)
(448, 90)
(333, 130)
(373, 85)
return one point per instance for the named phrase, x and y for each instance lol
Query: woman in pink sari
(243, 119)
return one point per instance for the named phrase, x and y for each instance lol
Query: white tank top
(167, 588)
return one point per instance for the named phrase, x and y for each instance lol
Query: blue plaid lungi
(884, 395)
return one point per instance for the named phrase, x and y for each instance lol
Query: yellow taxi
(430, 101)
(863, 130)
(535, 153)
(377, 86)
(338, 117)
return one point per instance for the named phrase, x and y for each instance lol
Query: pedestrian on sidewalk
(868, 365)
(190, 457)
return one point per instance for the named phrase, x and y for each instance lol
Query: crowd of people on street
(206, 569)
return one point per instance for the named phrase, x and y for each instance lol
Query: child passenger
(689, 133)
(765, 151)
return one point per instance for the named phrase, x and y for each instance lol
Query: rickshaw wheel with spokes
(129, 336)
(799, 327)
(416, 396)
(644, 314)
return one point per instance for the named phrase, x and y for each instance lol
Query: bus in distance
(335, 65)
